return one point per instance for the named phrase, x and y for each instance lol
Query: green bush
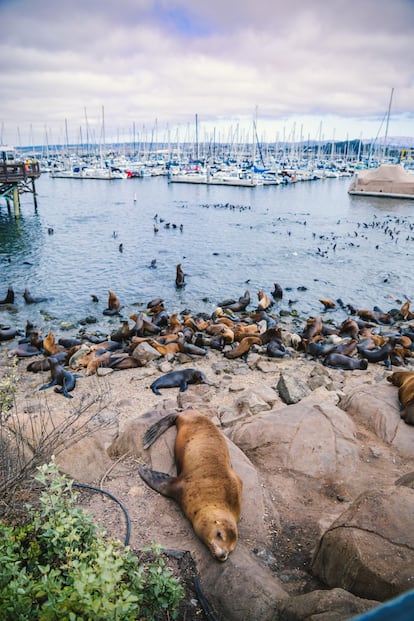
(59, 566)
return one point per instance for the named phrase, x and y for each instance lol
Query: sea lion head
(218, 530)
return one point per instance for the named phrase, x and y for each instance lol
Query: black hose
(103, 491)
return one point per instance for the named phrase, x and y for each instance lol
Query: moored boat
(388, 180)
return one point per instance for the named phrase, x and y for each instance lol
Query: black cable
(103, 491)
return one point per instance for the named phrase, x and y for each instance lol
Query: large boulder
(377, 408)
(369, 549)
(317, 439)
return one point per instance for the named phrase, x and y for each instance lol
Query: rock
(292, 388)
(377, 407)
(318, 440)
(369, 549)
(333, 605)
(242, 589)
(145, 353)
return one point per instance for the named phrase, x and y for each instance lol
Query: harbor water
(89, 236)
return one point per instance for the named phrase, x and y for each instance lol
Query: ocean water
(312, 238)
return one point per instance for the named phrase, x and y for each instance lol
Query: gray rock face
(292, 388)
(333, 605)
(310, 438)
(369, 549)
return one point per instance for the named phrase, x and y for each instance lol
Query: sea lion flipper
(158, 429)
(183, 385)
(159, 481)
(52, 383)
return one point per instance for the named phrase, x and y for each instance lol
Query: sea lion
(264, 301)
(60, 377)
(277, 292)
(114, 304)
(7, 334)
(243, 347)
(9, 299)
(29, 299)
(179, 278)
(276, 349)
(328, 303)
(405, 381)
(241, 305)
(340, 361)
(379, 353)
(180, 379)
(376, 316)
(206, 486)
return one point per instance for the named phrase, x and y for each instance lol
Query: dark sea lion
(44, 364)
(378, 353)
(178, 379)
(206, 486)
(240, 305)
(7, 334)
(319, 349)
(277, 292)
(31, 346)
(9, 299)
(29, 299)
(340, 361)
(405, 381)
(60, 377)
(276, 349)
(179, 277)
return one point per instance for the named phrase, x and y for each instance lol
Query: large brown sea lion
(405, 381)
(206, 487)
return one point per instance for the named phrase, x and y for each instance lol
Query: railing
(18, 171)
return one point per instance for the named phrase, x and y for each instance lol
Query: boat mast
(388, 120)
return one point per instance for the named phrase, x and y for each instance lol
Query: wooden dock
(17, 178)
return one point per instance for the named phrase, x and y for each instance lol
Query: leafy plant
(60, 566)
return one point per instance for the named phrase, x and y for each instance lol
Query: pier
(17, 177)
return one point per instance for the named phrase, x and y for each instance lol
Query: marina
(87, 237)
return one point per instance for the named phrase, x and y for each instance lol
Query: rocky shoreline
(326, 462)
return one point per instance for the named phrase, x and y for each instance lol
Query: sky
(146, 69)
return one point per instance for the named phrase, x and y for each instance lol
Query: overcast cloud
(304, 66)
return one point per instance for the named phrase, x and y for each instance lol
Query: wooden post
(34, 194)
(16, 202)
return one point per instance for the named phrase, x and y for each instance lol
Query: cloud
(167, 60)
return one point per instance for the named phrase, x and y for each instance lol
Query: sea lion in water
(29, 299)
(179, 278)
(7, 334)
(206, 487)
(179, 379)
(9, 299)
(60, 377)
(405, 381)
(114, 304)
